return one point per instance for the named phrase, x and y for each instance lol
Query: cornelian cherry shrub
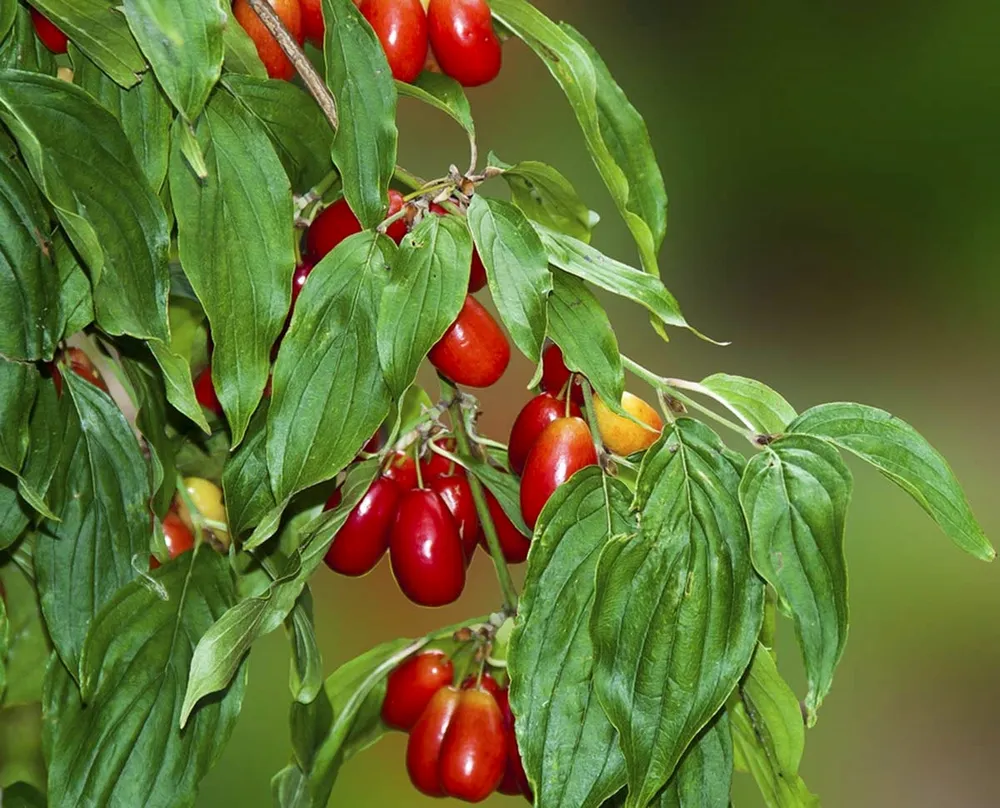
(216, 289)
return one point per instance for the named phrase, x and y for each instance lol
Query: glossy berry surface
(555, 374)
(204, 391)
(456, 494)
(363, 539)
(299, 278)
(401, 27)
(463, 40)
(564, 447)
(401, 469)
(428, 560)
(275, 62)
(474, 351)
(625, 437)
(312, 21)
(206, 497)
(435, 465)
(177, 536)
(52, 38)
(411, 687)
(515, 781)
(537, 414)
(337, 222)
(514, 544)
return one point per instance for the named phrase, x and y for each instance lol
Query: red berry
(363, 539)
(401, 26)
(177, 536)
(515, 781)
(82, 366)
(412, 685)
(456, 494)
(555, 374)
(275, 62)
(52, 38)
(402, 469)
(338, 221)
(312, 21)
(474, 351)
(514, 544)
(465, 45)
(484, 682)
(302, 273)
(426, 552)
(435, 465)
(457, 748)
(564, 447)
(204, 391)
(537, 414)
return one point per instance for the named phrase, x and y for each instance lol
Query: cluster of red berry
(455, 37)
(462, 741)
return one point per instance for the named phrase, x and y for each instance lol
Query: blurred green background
(834, 183)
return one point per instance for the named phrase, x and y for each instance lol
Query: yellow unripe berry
(206, 497)
(625, 437)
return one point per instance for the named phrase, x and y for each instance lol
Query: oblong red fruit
(564, 447)
(363, 539)
(456, 494)
(514, 544)
(555, 374)
(337, 222)
(401, 27)
(411, 687)
(204, 391)
(423, 749)
(474, 750)
(275, 62)
(401, 469)
(436, 465)
(515, 781)
(474, 351)
(537, 414)
(428, 560)
(52, 38)
(177, 536)
(465, 45)
(477, 273)
(312, 21)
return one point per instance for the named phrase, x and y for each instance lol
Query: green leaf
(235, 236)
(426, 289)
(579, 325)
(505, 487)
(14, 512)
(75, 294)
(142, 111)
(305, 678)
(4, 646)
(329, 394)
(704, 776)
(517, 268)
(615, 133)
(240, 52)
(100, 492)
(18, 386)
(183, 41)
(443, 93)
(84, 164)
(897, 450)
(178, 383)
(577, 258)
(96, 27)
(568, 746)
(294, 122)
(8, 13)
(364, 148)
(30, 308)
(678, 607)
(547, 197)
(125, 745)
(245, 480)
(769, 735)
(28, 646)
(22, 795)
(764, 409)
(23, 50)
(795, 496)
(49, 429)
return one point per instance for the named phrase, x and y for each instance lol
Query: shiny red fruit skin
(411, 687)
(402, 469)
(537, 414)
(428, 560)
(177, 536)
(299, 278)
(337, 222)
(473, 752)
(474, 351)
(363, 539)
(52, 38)
(555, 374)
(515, 781)
(564, 447)
(275, 62)
(312, 21)
(514, 544)
(82, 366)
(485, 682)
(435, 465)
(456, 494)
(465, 45)
(204, 391)
(401, 27)
(423, 749)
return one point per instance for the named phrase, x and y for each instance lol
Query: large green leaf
(8, 13)
(752, 401)
(443, 93)
(85, 166)
(904, 456)
(235, 236)
(30, 307)
(329, 393)
(28, 646)
(241, 54)
(125, 747)
(23, 50)
(75, 294)
(579, 325)
(143, 112)
(305, 675)
(51, 424)
(704, 776)
(427, 287)
(615, 133)
(245, 480)
(100, 31)
(18, 386)
(294, 122)
(14, 511)
(364, 148)
(183, 41)
(678, 607)
(568, 746)
(178, 382)
(795, 495)
(769, 735)
(517, 268)
(100, 492)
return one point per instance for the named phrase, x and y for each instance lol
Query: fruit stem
(462, 442)
(408, 178)
(312, 79)
(595, 432)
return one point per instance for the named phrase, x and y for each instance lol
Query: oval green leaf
(23, 50)
(443, 93)
(753, 402)
(704, 776)
(18, 386)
